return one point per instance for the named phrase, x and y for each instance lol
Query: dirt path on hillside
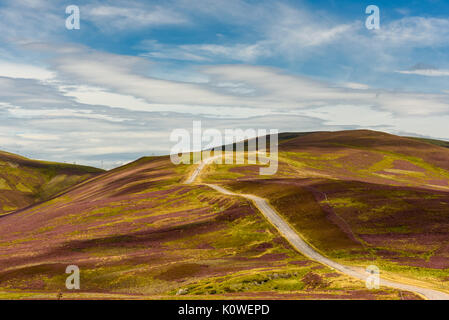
(299, 244)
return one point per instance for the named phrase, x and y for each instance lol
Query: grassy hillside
(24, 181)
(362, 197)
(138, 232)
(440, 143)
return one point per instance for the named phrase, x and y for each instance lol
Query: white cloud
(118, 74)
(122, 81)
(206, 52)
(61, 113)
(97, 96)
(355, 85)
(344, 115)
(415, 32)
(24, 71)
(38, 136)
(426, 72)
(131, 15)
(21, 20)
(277, 29)
(369, 118)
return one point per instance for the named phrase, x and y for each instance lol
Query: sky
(115, 89)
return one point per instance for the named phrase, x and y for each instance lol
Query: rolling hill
(24, 182)
(359, 197)
(139, 232)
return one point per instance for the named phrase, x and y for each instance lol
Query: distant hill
(24, 181)
(366, 154)
(440, 143)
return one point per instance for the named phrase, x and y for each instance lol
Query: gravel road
(299, 244)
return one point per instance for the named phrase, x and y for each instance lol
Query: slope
(363, 197)
(24, 181)
(139, 232)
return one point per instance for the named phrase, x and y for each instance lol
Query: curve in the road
(299, 244)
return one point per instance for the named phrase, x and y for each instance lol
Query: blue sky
(136, 70)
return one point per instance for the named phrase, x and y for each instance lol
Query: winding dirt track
(284, 228)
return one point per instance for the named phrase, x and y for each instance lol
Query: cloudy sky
(136, 70)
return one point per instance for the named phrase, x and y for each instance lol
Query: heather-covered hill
(24, 181)
(361, 197)
(357, 155)
(370, 156)
(139, 232)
